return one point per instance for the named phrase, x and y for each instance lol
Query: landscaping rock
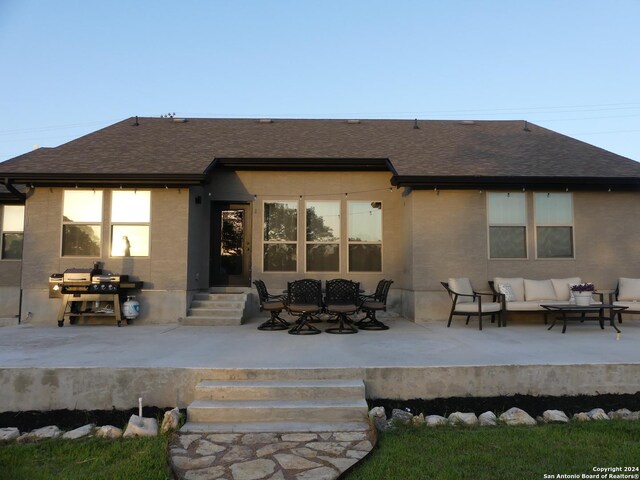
(43, 433)
(401, 417)
(460, 418)
(141, 427)
(554, 416)
(516, 416)
(81, 432)
(9, 434)
(435, 420)
(109, 431)
(597, 414)
(488, 419)
(418, 420)
(378, 417)
(621, 414)
(170, 421)
(581, 417)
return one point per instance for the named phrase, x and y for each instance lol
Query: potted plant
(582, 293)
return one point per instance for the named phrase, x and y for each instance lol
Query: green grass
(501, 453)
(94, 459)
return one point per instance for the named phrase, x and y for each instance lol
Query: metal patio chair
(468, 302)
(304, 300)
(341, 300)
(370, 304)
(274, 304)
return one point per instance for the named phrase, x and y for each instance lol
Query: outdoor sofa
(627, 294)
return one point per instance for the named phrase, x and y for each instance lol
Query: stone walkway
(267, 456)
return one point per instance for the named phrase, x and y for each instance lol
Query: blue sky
(72, 67)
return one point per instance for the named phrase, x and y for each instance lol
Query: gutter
(14, 191)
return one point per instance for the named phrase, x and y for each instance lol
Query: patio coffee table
(571, 311)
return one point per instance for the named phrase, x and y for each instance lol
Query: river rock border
(513, 416)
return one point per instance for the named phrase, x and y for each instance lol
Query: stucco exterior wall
(164, 272)
(450, 240)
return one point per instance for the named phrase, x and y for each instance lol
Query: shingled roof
(437, 152)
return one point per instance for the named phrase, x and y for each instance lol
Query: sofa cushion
(539, 290)
(628, 289)
(631, 306)
(462, 285)
(531, 306)
(473, 307)
(562, 287)
(507, 291)
(517, 285)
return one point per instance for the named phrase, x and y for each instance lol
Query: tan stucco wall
(450, 240)
(164, 272)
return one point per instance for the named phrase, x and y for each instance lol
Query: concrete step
(279, 390)
(216, 304)
(310, 411)
(221, 297)
(264, 427)
(211, 322)
(215, 312)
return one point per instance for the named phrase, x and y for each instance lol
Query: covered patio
(99, 367)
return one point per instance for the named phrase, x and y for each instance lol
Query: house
(189, 204)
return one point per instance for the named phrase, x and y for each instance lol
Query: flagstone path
(267, 456)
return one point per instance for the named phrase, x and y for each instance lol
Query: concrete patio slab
(105, 366)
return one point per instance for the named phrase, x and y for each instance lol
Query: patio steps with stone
(292, 405)
(216, 309)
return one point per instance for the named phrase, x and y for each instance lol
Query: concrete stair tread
(280, 384)
(280, 404)
(264, 427)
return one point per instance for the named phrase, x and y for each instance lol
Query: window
(323, 236)
(365, 236)
(554, 225)
(130, 219)
(507, 217)
(12, 232)
(81, 223)
(280, 236)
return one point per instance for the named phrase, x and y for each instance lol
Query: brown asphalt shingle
(437, 148)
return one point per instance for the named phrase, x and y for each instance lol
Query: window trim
(572, 226)
(525, 225)
(3, 232)
(100, 224)
(295, 242)
(129, 224)
(381, 242)
(332, 242)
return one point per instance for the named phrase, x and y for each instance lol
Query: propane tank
(131, 308)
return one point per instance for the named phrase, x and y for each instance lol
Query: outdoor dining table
(571, 311)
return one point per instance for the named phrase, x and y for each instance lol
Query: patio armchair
(627, 294)
(274, 304)
(370, 304)
(468, 302)
(304, 300)
(341, 300)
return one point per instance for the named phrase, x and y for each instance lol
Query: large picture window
(507, 217)
(130, 223)
(81, 223)
(280, 236)
(323, 236)
(554, 225)
(364, 236)
(12, 232)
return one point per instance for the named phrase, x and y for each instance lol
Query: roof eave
(100, 179)
(308, 164)
(517, 183)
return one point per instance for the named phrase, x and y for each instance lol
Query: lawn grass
(501, 453)
(95, 459)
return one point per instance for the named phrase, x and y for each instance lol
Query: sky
(72, 67)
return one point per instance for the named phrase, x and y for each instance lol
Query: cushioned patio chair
(341, 300)
(468, 302)
(627, 294)
(304, 300)
(370, 304)
(274, 304)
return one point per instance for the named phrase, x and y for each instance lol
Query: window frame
(571, 225)
(295, 242)
(113, 223)
(337, 242)
(525, 225)
(349, 242)
(3, 232)
(99, 224)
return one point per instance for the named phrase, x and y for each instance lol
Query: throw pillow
(507, 291)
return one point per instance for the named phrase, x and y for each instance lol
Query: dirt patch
(532, 405)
